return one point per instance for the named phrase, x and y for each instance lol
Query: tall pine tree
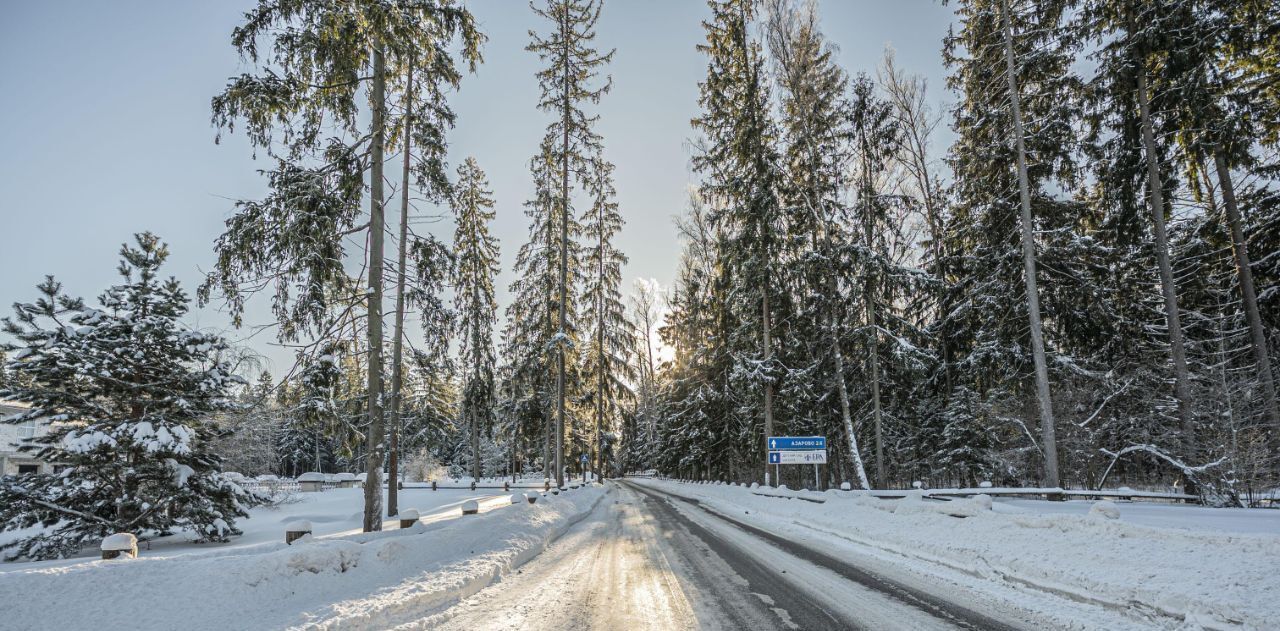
(568, 82)
(476, 252)
(305, 110)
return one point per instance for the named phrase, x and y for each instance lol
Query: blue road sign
(796, 443)
(584, 458)
(815, 456)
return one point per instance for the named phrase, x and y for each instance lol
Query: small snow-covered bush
(280, 495)
(1105, 509)
(982, 500)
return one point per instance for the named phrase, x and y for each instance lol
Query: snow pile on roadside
(367, 580)
(1212, 580)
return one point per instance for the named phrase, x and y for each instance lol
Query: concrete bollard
(555, 491)
(470, 507)
(296, 530)
(506, 486)
(121, 544)
(532, 497)
(546, 485)
(408, 517)
(473, 485)
(311, 482)
(433, 485)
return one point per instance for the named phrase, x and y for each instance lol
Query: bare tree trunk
(1155, 199)
(373, 480)
(868, 227)
(1029, 267)
(469, 417)
(601, 367)
(564, 257)
(768, 386)
(599, 426)
(546, 449)
(397, 344)
(600, 394)
(874, 358)
(1240, 247)
(854, 455)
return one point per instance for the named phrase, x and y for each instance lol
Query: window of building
(27, 429)
(24, 469)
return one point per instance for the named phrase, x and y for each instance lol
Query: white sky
(104, 121)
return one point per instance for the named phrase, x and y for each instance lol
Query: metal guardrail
(945, 494)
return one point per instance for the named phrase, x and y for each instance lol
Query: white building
(13, 461)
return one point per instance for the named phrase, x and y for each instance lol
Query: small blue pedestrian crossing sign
(584, 458)
(775, 457)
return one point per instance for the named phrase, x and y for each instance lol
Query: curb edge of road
(1013, 579)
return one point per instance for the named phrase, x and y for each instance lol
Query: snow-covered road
(645, 559)
(655, 554)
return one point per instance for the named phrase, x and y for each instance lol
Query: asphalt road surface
(649, 560)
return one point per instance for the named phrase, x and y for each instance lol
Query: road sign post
(797, 450)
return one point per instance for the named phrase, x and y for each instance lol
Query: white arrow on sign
(773, 444)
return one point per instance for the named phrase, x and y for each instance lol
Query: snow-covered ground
(1167, 566)
(340, 578)
(1240, 521)
(331, 512)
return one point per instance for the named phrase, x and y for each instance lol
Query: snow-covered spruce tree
(837, 140)
(424, 264)
(528, 358)
(879, 259)
(815, 128)
(741, 173)
(1133, 33)
(605, 366)
(130, 393)
(4, 369)
(327, 72)
(1206, 112)
(476, 252)
(249, 446)
(430, 413)
(1214, 109)
(986, 325)
(919, 179)
(568, 82)
(695, 410)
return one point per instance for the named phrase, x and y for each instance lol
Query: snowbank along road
(648, 559)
